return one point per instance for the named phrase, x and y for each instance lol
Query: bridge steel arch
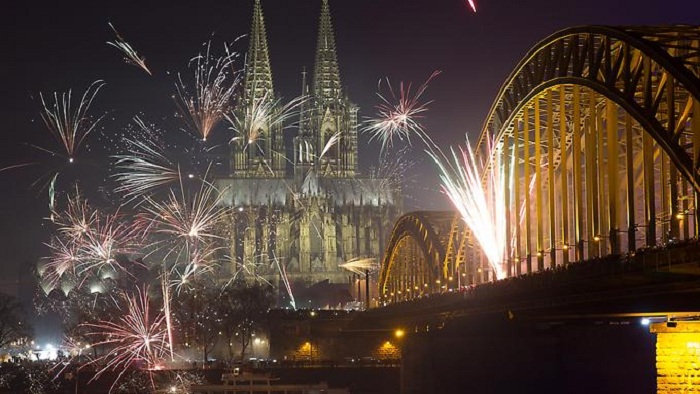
(427, 253)
(599, 129)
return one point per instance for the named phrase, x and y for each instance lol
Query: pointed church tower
(258, 151)
(258, 74)
(330, 113)
(326, 72)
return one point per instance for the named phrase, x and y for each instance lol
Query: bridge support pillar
(677, 356)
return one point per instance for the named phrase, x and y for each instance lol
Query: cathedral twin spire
(258, 78)
(325, 114)
(256, 152)
(326, 72)
(258, 75)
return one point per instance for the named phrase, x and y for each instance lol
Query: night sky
(59, 45)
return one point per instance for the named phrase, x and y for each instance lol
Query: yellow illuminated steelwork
(416, 254)
(621, 141)
(600, 129)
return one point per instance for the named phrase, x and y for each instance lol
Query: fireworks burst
(250, 268)
(183, 382)
(89, 246)
(331, 142)
(471, 5)
(477, 191)
(192, 221)
(399, 115)
(360, 265)
(75, 348)
(77, 219)
(395, 171)
(52, 196)
(62, 261)
(145, 168)
(14, 166)
(137, 336)
(214, 86)
(165, 291)
(70, 125)
(285, 280)
(109, 238)
(189, 225)
(198, 261)
(264, 113)
(130, 55)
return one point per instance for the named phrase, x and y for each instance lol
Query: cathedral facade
(301, 207)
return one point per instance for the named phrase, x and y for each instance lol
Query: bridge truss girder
(428, 252)
(600, 129)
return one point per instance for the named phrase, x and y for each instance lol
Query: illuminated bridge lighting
(598, 129)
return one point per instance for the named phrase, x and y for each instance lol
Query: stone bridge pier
(677, 356)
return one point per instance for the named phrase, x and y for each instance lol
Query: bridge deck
(646, 282)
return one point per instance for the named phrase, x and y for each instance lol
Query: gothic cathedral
(294, 225)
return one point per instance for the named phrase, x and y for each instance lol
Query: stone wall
(677, 357)
(324, 335)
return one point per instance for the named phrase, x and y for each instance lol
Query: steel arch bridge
(423, 255)
(599, 130)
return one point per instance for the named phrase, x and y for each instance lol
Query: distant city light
(49, 352)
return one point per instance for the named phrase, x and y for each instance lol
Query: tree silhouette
(195, 312)
(13, 321)
(242, 312)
